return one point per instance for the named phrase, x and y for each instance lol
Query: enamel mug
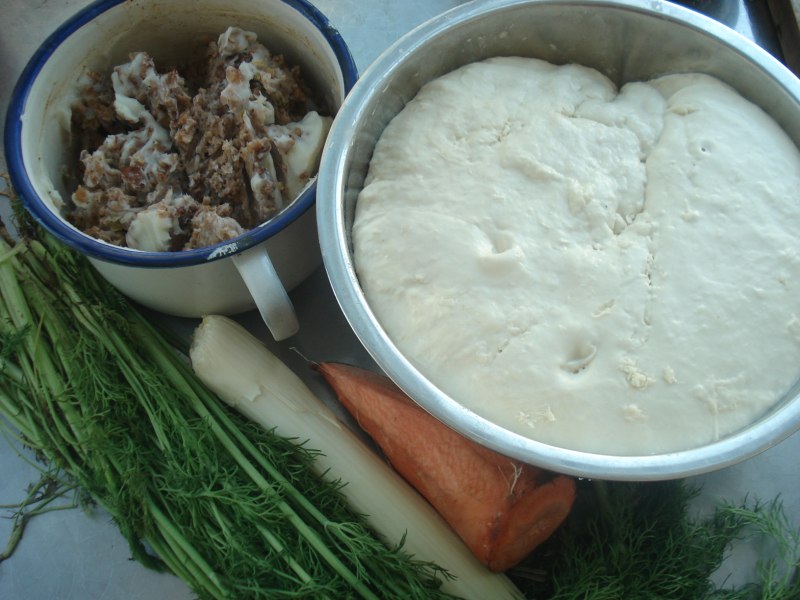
(256, 269)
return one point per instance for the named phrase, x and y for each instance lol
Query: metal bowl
(626, 40)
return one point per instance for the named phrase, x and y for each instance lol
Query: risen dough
(610, 271)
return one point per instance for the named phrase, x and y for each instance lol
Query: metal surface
(77, 555)
(617, 38)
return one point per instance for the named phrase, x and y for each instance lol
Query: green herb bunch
(232, 509)
(639, 541)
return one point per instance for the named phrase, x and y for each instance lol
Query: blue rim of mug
(108, 252)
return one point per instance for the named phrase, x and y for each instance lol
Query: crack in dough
(530, 236)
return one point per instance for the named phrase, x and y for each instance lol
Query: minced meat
(164, 167)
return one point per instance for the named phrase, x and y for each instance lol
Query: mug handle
(263, 283)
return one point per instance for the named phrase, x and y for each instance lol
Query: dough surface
(613, 271)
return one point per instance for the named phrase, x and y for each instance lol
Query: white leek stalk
(243, 373)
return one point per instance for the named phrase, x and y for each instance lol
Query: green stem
(170, 559)
(40, 371)
(209, 411)
(16, 415)
(293, 564)
(188, 555)
(9, 408)
(11, 372)
(22, 517)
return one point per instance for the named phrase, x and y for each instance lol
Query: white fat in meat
(300, 145)
(164, 165)
(234, 41)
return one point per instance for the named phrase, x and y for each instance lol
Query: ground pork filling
(169, 165)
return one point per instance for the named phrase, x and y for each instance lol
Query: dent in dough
(587, 266)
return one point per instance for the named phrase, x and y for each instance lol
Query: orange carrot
(501, 508)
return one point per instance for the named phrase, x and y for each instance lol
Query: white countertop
(75, 555)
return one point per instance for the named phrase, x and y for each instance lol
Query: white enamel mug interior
(258, 268)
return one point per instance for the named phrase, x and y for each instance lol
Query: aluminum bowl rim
(777, 425)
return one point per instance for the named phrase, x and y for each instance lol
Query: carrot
(500, 507)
